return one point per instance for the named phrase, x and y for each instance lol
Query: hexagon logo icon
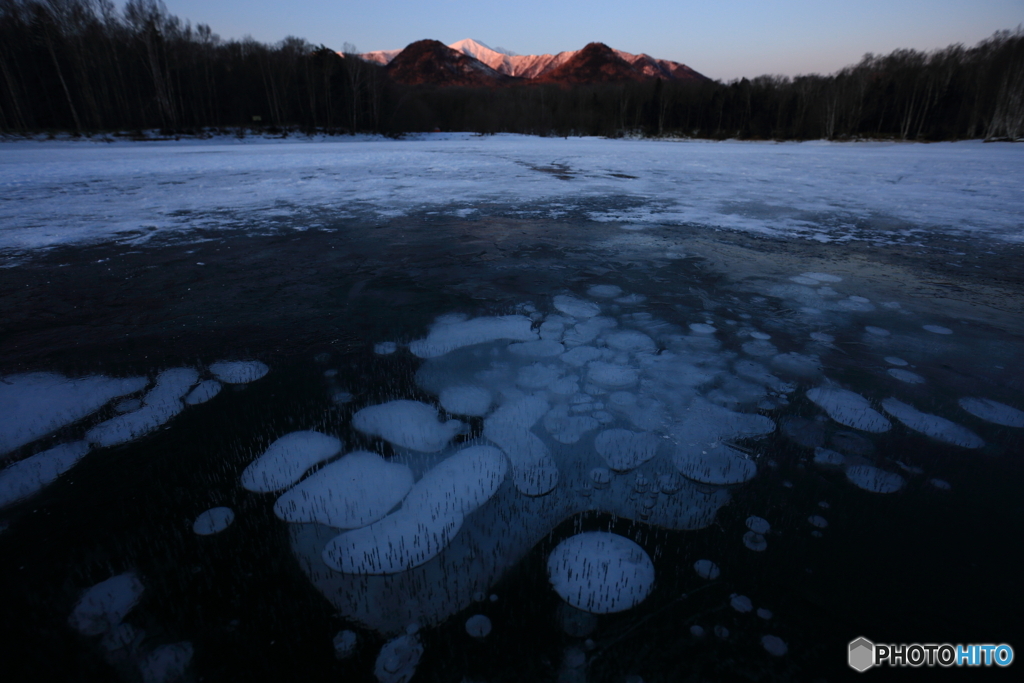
(862, 654)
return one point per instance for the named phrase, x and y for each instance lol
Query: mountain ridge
(595, 63)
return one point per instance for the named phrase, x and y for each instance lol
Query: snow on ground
(60, 192)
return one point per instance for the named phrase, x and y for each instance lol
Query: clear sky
(723, 39)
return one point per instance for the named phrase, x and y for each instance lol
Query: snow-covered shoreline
(64, 192)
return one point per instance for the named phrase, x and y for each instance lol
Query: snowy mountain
(596, 63)
(430, 61)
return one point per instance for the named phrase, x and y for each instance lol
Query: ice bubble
(537, 376)
(30, 476)
(873, 479)
(604, 291)
(932, 425)
(624, 450)
(759, 348)
(580, 356)
(905, 376)
(575, 622)
(758, 525)
(166, 663)
(697, 631)
(160, 404)
(601, 477)
(129, 404)
(993, 411)
(669, 483)
(103, 606)
(601, 572)
(330, 373)
(822, 277)
(575, 658)
(822, 337)
(631, 341)
(817, 521)
(37, 403)
(458, 484)
(797, 364)
(741, 603)
(706, 569)
(398, 660)
(760, 335)
(213, 521)
(828, 458)
(534, 472)
(755, 541)
(611, 375)
(407, 424)
(854, 444)
(203, 392)
(702, 328)
(478, 626)
(287, 459)
(397, 543)
(895, 360)
(877, 331)
(764, 613)
(552, 329)
(466, 400)
(721, 631)
(860, 299)
(565, 428)
(774, 645)
(120, 636)
(352, 492)
(937, 329)
(631, 299)
(577, 308)
(719, 465)
(541, 348)
(940, 484)
(448, 335)
(384, 349)
(239, 371)
(848, 408)
(756, 372)
(801, 280)
(345, 644)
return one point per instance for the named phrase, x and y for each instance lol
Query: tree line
(86, 67)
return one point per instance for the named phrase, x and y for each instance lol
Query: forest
(87, 67)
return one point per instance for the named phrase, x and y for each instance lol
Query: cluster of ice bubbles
(592, 406)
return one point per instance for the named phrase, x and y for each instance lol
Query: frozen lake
(348, 409)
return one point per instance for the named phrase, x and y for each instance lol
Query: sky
(722, 39)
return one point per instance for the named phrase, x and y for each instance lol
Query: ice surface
(213, 521)
(31, 475)
(103, 606)
(61, 192)
(993, 411)
(287, 459)
(873, 479)
(159, 405)
(407, 424)
(848, 408)
(203, 392)
(625, 450)
(600, 572)
(445, 337)
(352, 492)
(37, 403)
(238, 371)
(932, 425)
